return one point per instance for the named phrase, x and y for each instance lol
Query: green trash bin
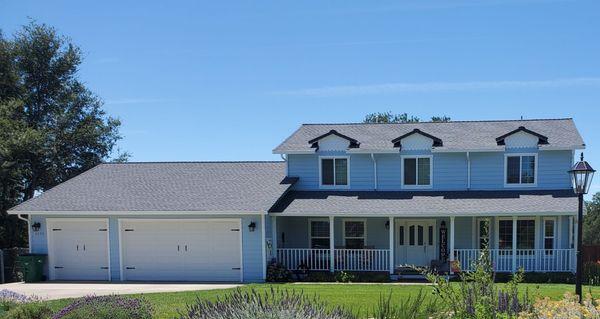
(32, 266)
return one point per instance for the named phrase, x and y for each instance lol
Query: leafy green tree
(389, 117)
(591, 221)
(51, 126)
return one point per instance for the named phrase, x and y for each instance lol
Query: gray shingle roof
(415, 203)
(185, 186)
(458, 135)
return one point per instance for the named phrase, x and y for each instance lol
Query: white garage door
(78, 249)
(181, 250)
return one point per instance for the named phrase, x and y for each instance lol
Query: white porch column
(451, 243)
(263, 232)
(392, 244)
(331, 245)
(514, 244)
(274, 237)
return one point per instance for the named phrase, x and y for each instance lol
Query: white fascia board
(134, 213)
(464, 150)
(429, 215)
(293, 152)
(562, 148)
(373, 151)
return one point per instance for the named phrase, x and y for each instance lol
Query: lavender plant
(477, 296)
(106, 307)
(272, 304)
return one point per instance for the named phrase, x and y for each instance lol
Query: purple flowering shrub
(272, 304)
(14, 305)
(10, 299)
(106, 307)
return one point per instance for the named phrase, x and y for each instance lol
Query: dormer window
(520, 169)
(334, 171)
(416, 171)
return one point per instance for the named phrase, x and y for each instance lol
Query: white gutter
(374, 170)
(28, 221)
(468, 170)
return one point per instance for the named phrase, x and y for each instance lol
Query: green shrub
(344, 276)
(106, 307)
(277, 272)
(30, 310)
(405, 308)
(320, 276)
(272, 304)
(348, 276)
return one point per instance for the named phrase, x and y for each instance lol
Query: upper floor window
(334, 171)
(416, 171)
(520, 169)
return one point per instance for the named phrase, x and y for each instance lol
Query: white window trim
(520, 155)
(310, 236)
(554, 233)
(536, 230)
(321, 158)
(364, 221)
(478, 228)
(417, 171)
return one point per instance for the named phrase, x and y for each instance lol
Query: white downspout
(28, 221)
(468, 170)
(374, 170)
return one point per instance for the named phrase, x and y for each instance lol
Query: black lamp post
(581, 176)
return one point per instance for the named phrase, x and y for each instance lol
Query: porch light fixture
(36, 226)
(581, 176)
(387, 224)
(252, 226)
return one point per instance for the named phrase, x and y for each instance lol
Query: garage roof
(219, 187)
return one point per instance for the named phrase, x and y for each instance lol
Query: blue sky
(222, 80)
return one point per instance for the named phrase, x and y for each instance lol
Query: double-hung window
(416, 171)
(334, 171)
(520, 170)
(525, 234)
(355, 234)
(319, 234)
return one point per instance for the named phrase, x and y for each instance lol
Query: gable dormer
(522, 138)
(333, 141)
(417, 140)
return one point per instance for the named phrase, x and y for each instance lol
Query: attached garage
(181, 250)
(78, 249)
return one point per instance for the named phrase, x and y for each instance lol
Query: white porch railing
(362, 259)
(344, 259)
(313, 259)
(542, 260)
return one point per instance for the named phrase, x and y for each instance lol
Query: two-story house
(353, 197)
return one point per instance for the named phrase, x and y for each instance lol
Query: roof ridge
(460, 121)
(191, 162)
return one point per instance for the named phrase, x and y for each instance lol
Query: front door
(417, 247)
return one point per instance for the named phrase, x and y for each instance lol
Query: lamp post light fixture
(581, 176)
(252, 226)
(36, 226)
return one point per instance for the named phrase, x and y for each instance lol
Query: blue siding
(251, 241)
(450, 170)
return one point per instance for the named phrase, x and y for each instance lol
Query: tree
(591, 221)
(389, 117)
(51, 126)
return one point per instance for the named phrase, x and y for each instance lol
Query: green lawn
(358, 297)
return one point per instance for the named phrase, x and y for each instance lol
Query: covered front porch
(387, 244)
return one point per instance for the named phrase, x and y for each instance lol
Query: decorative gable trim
(352, 142)
(436, 141)
(541, 138)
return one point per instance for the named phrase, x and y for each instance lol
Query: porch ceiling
(419, 203)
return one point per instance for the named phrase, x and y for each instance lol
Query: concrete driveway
(60, 290)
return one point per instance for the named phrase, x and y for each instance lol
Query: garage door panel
(181, 250)
(78, 249)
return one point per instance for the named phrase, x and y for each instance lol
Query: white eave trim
(134, 213)
(428, 215)
(313, 151)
